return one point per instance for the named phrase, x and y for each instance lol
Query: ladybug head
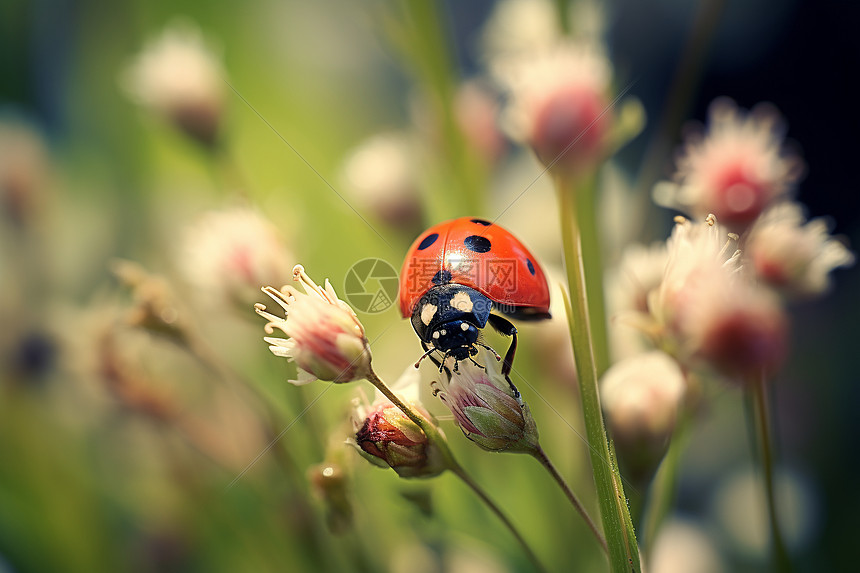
(449, 318)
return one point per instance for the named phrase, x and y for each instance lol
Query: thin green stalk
(592, 257)
(435, 436)
(617, 526)
(562, 9)
(420, 34)
(781, 559)
(544, 460)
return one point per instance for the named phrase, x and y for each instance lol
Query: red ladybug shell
(478, 254)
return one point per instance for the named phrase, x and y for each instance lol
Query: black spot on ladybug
(428, 240)
(441, 278)
(482, 222)
(477, 244)
(530, 266)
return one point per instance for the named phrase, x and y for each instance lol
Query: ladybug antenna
(425, 355)
(491, 349)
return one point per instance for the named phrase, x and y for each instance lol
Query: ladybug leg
(504, 326)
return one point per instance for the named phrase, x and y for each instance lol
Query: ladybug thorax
(449, 317)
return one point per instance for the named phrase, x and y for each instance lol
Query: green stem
(592, 256)
(562, 9)
(435, 436)
(422, 39)
(781, 560)
(544, 460)
(467, 479)
(617, 526)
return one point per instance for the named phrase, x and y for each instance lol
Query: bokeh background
(126, 449)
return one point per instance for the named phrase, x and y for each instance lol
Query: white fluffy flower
(628, 287)
(697, 255)
(734, 169)
(791, 255)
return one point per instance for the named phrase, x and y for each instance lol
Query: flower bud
(488, 408)
(388, 438)
(641, 396)
(745, 336)
(559, 106)
(327, 341)
(792, 257)
(178, 77)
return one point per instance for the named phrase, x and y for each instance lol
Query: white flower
(735, 169)
(628, 287)
(226, 255)
(739, 329)
(327, 341)
(793, 257)
(697, 255)
(382, 174)
(180, 78)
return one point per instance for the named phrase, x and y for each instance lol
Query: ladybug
(462, 274)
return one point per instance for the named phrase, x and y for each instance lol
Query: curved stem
(435, 436)
(544, 460)
(617, 525)
(782, 562)
(467, 479)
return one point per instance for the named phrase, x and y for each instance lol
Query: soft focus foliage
(160, 162)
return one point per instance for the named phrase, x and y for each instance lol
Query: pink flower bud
(327, 341)
(746, 336)
(488, 408)
(388, 438)
(642, 396)
(560, 106)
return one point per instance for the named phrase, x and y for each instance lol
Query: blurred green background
(120, 448)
